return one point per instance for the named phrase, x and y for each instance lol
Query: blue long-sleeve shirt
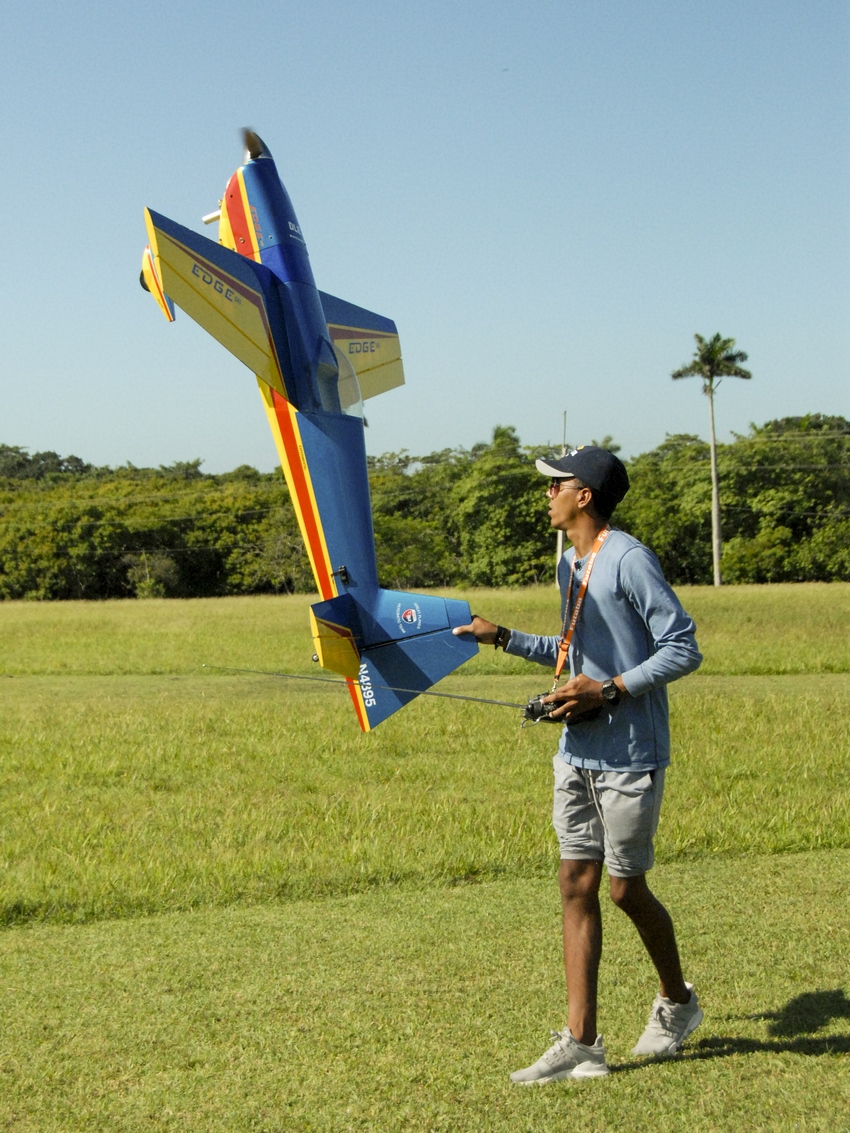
(631, 625)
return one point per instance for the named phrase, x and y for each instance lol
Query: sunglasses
(559, 482)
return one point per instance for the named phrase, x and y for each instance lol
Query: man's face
(568, 497)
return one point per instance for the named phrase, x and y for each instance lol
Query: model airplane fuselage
(315, 357)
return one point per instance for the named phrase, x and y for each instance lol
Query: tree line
(459, 517)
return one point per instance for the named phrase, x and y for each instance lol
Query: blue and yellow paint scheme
(316, 358)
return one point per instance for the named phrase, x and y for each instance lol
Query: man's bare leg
(579, 882)
(655, 927)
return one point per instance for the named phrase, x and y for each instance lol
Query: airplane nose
(254, 145)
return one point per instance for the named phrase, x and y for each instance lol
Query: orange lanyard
(567, 632)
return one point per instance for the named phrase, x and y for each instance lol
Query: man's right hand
(480, 628)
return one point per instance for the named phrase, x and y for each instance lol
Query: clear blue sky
(548, 198)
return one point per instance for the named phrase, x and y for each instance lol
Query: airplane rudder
(337, 635)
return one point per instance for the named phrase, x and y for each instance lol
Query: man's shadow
(793, 1029)
(807, 1013)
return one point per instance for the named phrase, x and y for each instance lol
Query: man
(626, 637)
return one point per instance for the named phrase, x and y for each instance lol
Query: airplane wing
(370, 342)
(153, 285)
(233, 298)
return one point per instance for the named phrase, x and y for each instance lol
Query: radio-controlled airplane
(316, 358)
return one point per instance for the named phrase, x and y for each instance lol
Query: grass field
(225, 908)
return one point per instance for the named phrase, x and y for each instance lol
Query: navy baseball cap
(600, 469)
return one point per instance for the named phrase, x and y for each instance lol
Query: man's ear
(589, 504)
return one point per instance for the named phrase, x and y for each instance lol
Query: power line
(792, 436)
(787, 467)
(237, 514)
(130, 499)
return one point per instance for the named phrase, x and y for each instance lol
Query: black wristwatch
(611, 695)
(503, 636)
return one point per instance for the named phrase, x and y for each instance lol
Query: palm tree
(714, 359)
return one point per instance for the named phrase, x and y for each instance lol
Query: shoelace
(559, 1046)
(663, 1015)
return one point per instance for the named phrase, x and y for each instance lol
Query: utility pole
(715, 491)
(559, 554)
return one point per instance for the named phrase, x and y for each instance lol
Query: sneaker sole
(578, 1072)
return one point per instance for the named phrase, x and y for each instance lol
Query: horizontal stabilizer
(413, 665)
(391, 645)
(233, 298)
(370, 342)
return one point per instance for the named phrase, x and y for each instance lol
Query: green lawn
(406, 1010)
(741, 630)
(134, 795)
(225, 908)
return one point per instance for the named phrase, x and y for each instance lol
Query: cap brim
(550, 470)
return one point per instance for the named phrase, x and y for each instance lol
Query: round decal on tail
(408, 619)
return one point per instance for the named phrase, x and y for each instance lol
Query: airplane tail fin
(390, 646)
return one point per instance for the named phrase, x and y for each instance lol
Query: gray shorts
(608, 816)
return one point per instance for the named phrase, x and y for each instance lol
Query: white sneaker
(566, 1058)
(669, 1025)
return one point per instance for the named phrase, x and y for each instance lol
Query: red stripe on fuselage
(354, 689)
(240, 223)
(324, 581)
